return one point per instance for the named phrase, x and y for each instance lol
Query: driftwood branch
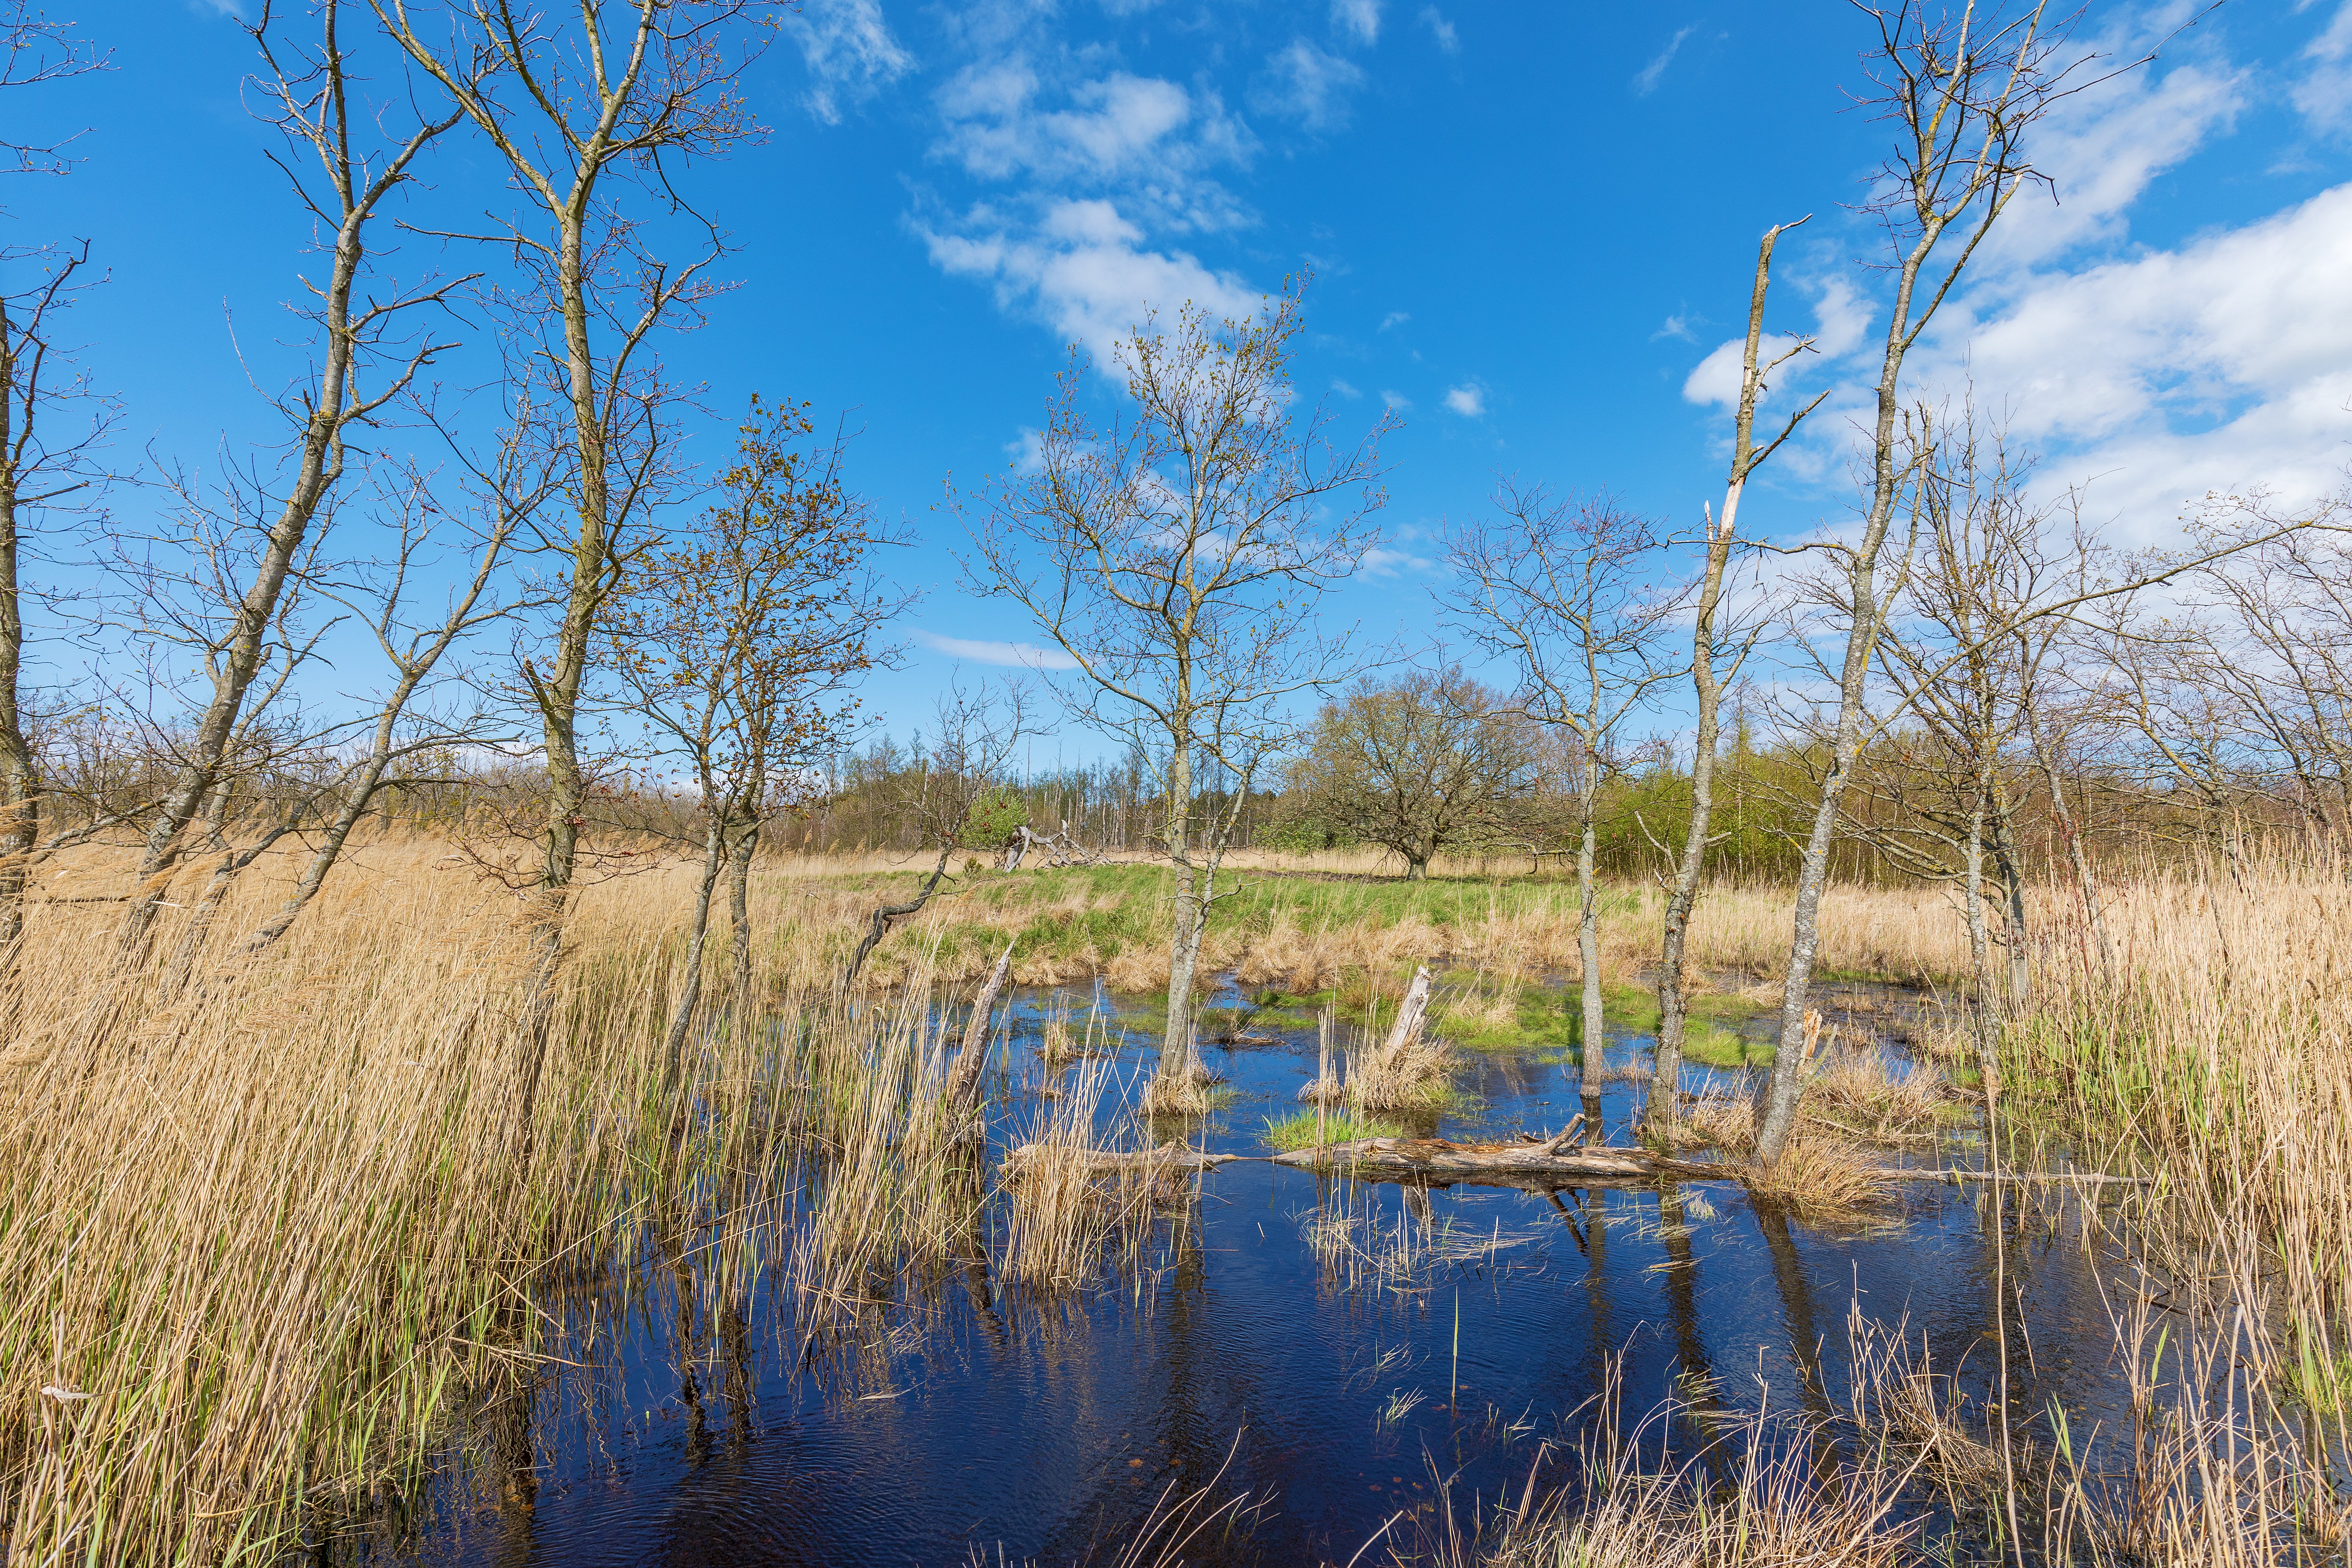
(890, 915)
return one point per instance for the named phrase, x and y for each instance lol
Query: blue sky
(1530, 226)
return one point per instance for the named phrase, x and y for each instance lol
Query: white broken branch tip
(62, 1396)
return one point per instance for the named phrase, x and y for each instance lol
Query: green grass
(1546, 1020)
(1284, 1133)
(1715, 1047)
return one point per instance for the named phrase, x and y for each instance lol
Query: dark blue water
(1237, 1361)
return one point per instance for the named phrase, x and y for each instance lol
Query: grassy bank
(1308, 931)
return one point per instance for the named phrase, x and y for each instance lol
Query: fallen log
(1171, 1156)
(1442, 1160)
(1536, 1164)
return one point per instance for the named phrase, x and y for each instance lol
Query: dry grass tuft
(1820, 1176)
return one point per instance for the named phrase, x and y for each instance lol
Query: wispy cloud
(1012, 655)
(1675, 326)
(1082, 269)
(1441, 29)
(1645, 81)
(1395, 318)
(1382, 561)
(850, 52)
(1357, 20)
(1306, 84)
(1396, 400)
(1468, 400)
(1344, 389)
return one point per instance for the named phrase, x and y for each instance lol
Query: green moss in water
(1720, 1048)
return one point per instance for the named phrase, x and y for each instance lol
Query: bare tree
(42, 470)
(41, 466)
(1568, 591)
(1415, 764)
(506, 493)
(1935, 788)
(1176, 559)
(583, 114)
(1963, 89)
(955, 793)
(34, 51)
(307, 88)
(1719, 648)
(734, 641)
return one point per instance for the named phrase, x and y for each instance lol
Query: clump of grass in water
(1299, 1130)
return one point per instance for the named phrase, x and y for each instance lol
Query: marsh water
(1458, 1338)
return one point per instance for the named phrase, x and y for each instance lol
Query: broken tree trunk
(963, 1078)
(1410, 1016)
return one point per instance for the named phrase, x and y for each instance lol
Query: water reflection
(686, 1420)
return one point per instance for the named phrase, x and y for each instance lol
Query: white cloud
(1468, 400)
(2102, 151)
(1357, 20)
(1394, 319)
(849, 50)
(1344, 389)
(1675, 326)
(1645, 81)
(2221, 364)
(1018, 655)
(1841, 320)
(1027, 450)
(1104, 168)
(1382, 561)
(2325, 93)
(1396, 400)
(1304, 83)
(1081, 269)
(1448, 41)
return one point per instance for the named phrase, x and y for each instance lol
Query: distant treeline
(858, 803)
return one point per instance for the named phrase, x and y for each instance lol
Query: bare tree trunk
(885, 917)
(689, 994)
(1588, 929)
(1986, 1027)
(2011, 869)
(1963, 102)
(1191, 918)
(208, 903)
(1663, 1104)
(963, 1083)
(739, 913)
